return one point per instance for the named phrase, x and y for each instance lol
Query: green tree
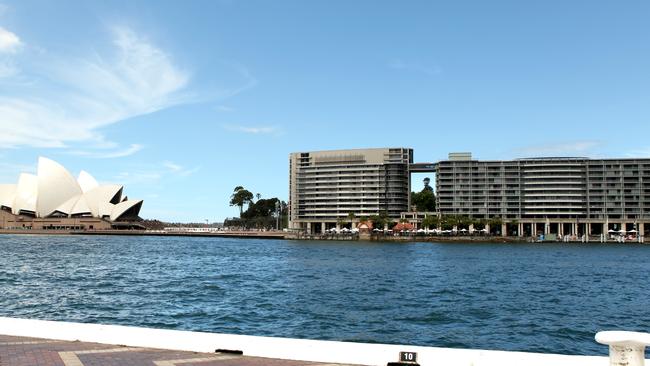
(447, 222)
(264, 214)
(380, 221)
(376, 220)
(240, 197)
(424, 201)
(463, 222)
(431, 222)
(495, 221)
(262, 208)
(459, 221)
(479, 224)
(340, 221)
(351, 217)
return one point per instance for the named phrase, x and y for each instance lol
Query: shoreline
(238, 234)
(280, 235)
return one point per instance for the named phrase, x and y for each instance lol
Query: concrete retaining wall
(282, 348)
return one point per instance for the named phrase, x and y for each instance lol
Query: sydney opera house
(54, 200)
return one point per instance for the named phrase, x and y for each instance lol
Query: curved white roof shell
(81, 207)
(26, 193)
(121, 208)
(55, 185)
(102, 198)
(7, 194)
(67, 206)
(86, 181)
(54, 191)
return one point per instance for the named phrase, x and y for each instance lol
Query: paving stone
(25, 351)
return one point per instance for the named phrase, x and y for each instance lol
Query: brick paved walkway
(21, 351)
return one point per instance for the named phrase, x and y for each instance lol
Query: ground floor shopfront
(527, 227)
(521, 228)
(575, 227)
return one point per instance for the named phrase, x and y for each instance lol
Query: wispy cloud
(119, 153)
(9, 41)
(134, 177)
(563, 148)
(249, 81)
(172, 166)
(256, 130)
(399, 64)
(154, 174)
(71, 98)
(7, 68)
(10, 44)
(9, 172)
(224, 108)
(179, 169)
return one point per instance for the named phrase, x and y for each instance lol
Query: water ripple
(526, 297)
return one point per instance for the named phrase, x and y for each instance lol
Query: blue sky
(183, 101)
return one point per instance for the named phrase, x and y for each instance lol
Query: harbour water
(525, 297)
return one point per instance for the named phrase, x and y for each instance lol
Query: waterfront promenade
(210, 234)
(27, 351)
(29, 342)
(273, 234)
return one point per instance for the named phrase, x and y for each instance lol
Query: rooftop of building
(357, 150)
(467, 156)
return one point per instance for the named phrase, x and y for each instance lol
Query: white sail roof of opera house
(54, 192)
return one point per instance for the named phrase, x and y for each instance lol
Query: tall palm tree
(351, 217)
(240, 197)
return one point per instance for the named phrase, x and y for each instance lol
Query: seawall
(282, 348)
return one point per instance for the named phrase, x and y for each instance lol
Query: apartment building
(564, 196)
(326, 187)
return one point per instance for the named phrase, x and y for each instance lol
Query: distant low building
(54, 199)
(189, 229)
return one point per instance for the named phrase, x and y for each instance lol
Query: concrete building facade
(563, 196)
(326, 186)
